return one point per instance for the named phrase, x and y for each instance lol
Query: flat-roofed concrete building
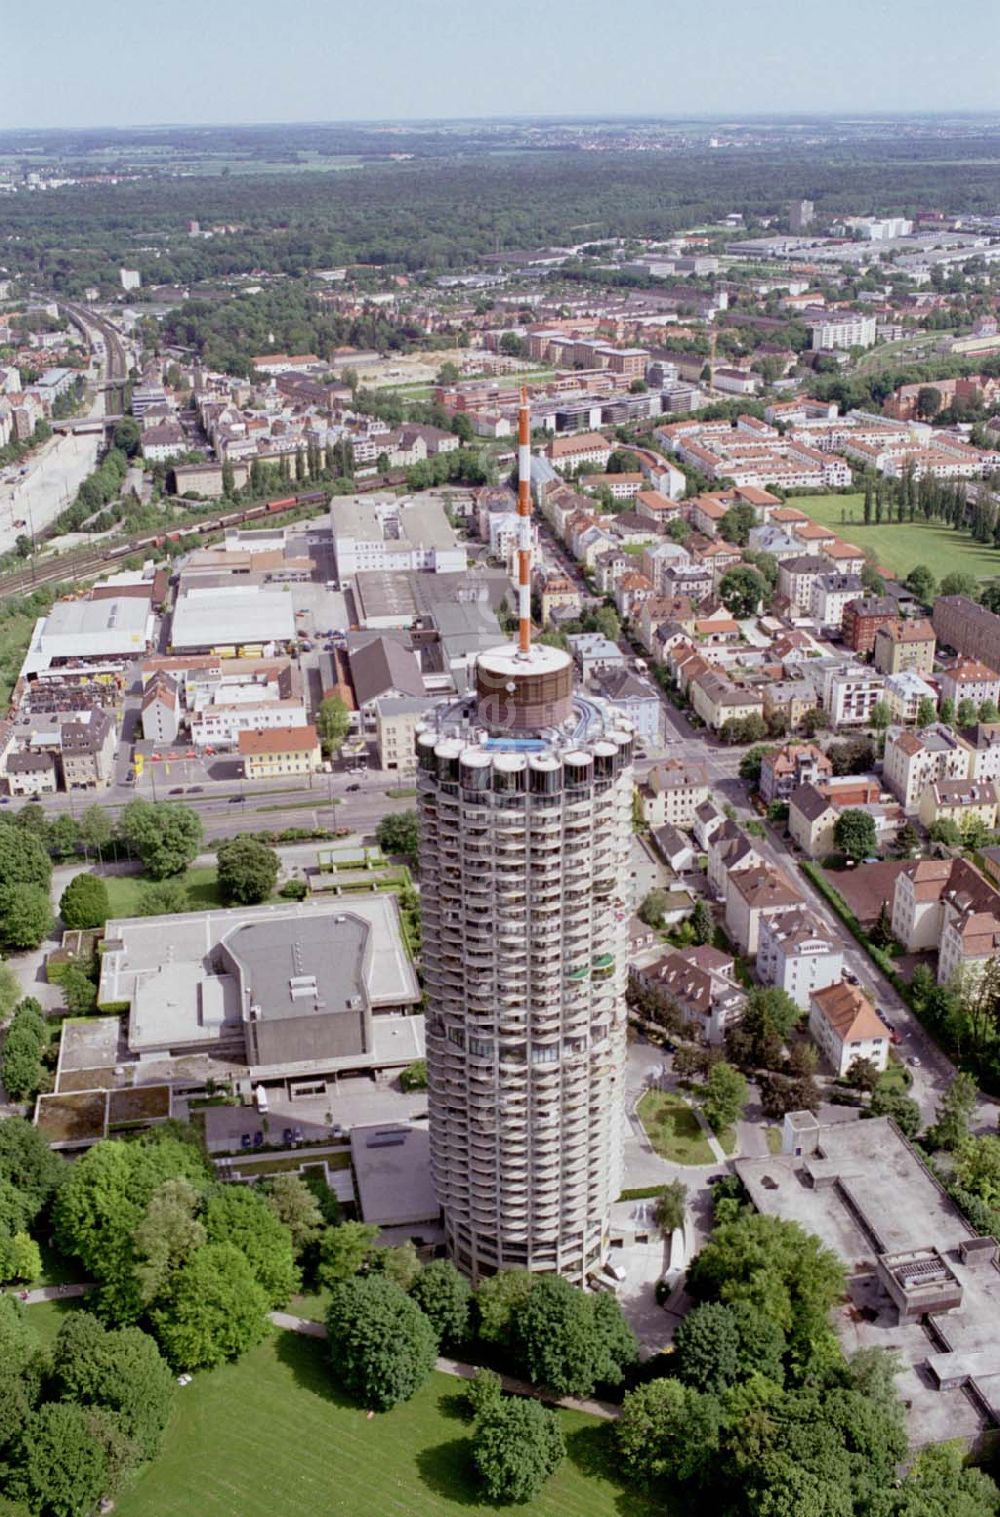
(289, 992)
(227, 617)
(919, 1280)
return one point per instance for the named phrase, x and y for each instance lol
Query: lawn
(270, 1435)
(46, 1317)
(901, 545)
(126, 892)
(673, 1129)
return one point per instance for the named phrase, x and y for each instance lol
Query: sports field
(900, 546)
(270, 1437)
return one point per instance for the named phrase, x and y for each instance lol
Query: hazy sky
(118, 62)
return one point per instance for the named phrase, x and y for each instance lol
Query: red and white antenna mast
(524, 527)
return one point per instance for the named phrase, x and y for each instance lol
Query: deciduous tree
(166, 836)
(247, 870)
(517, 1445)
(237, 1215)
(444, 1297)
(854, 834)
(668, 1431)
(214, 1309)
(382, 1347)
(84, 903)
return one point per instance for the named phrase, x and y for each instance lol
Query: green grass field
(901, 545)
(126, 891)
(46, 1317)
(673, 1129)
(270, 1437)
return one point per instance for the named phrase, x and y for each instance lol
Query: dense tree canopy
(165, 836)
(25, 915)
(517, 1445)
(569, 1341)
(399, 833)
(104, 1199)
(84, 903)
(777, 1267)
(122, 1371)
(212, 1310)
(444, 1297)
(239, 1216)
(382, 1347)
(247, 870)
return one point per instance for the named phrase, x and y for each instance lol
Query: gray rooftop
(393, 1173)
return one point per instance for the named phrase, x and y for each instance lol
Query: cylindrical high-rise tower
(524, 793)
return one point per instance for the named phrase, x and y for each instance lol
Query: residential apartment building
(161, 709)
(964, 802)
(850, 695)
(863, 617)
(947, 905)
(846, 1027)
(812, 817)
(963, 679)
(701, 983)
(525, 883)
(970, 629)
(907, 645)
(30, 774)
(796, 578)
(673, 792)
(830, 594)
(796, 953)
(904, 694)
(729, 849)
(637, 699)
(914, 760)
(982, 747)
(566, 453)
(785, 769)
(279, 751)
(717, 701)
(397, 718)
(751, 895)
(87, 750)
(840, 329)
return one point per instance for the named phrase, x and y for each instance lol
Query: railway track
(86, 563)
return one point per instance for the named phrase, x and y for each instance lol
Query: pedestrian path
(603, 1409)
(717, 1150)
